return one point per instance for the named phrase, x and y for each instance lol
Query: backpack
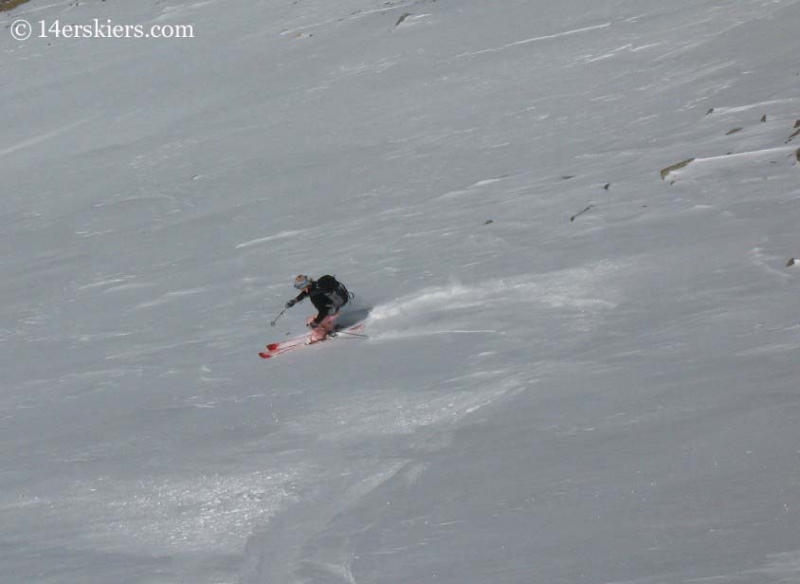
(334, 290)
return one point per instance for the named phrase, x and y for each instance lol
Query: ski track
(534, 40)
(29, 143)
(571, 291)
(270, 238)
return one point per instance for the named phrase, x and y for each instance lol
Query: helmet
(301, 282)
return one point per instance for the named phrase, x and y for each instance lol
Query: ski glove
(291, 303)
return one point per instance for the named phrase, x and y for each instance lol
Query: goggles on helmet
(301, 282)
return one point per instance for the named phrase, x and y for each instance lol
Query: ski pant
(319, 332)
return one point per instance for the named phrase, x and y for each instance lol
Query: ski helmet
(301, 282)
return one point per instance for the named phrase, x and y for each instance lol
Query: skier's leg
(323, 329)
(329, 322)
(318, 334)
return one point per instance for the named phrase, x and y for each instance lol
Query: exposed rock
(576, 215)
(679, 165)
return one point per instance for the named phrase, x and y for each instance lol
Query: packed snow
(572, 222)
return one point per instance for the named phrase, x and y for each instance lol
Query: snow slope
(607, 399)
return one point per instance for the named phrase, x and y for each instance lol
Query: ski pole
(352, 334)
(272, 323)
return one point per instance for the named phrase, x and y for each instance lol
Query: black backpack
(335, 290)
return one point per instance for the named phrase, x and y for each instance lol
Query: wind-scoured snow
(571, 223)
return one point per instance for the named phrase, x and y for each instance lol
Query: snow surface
(608, 399)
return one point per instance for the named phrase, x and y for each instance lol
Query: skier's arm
(299, 298)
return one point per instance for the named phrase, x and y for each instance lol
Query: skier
(328, 296)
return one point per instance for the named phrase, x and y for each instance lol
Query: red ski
(281, 347)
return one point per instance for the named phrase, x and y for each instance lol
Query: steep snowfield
(612, 398)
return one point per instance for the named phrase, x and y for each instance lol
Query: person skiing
(328, 296)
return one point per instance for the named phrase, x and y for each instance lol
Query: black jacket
(324, 301)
